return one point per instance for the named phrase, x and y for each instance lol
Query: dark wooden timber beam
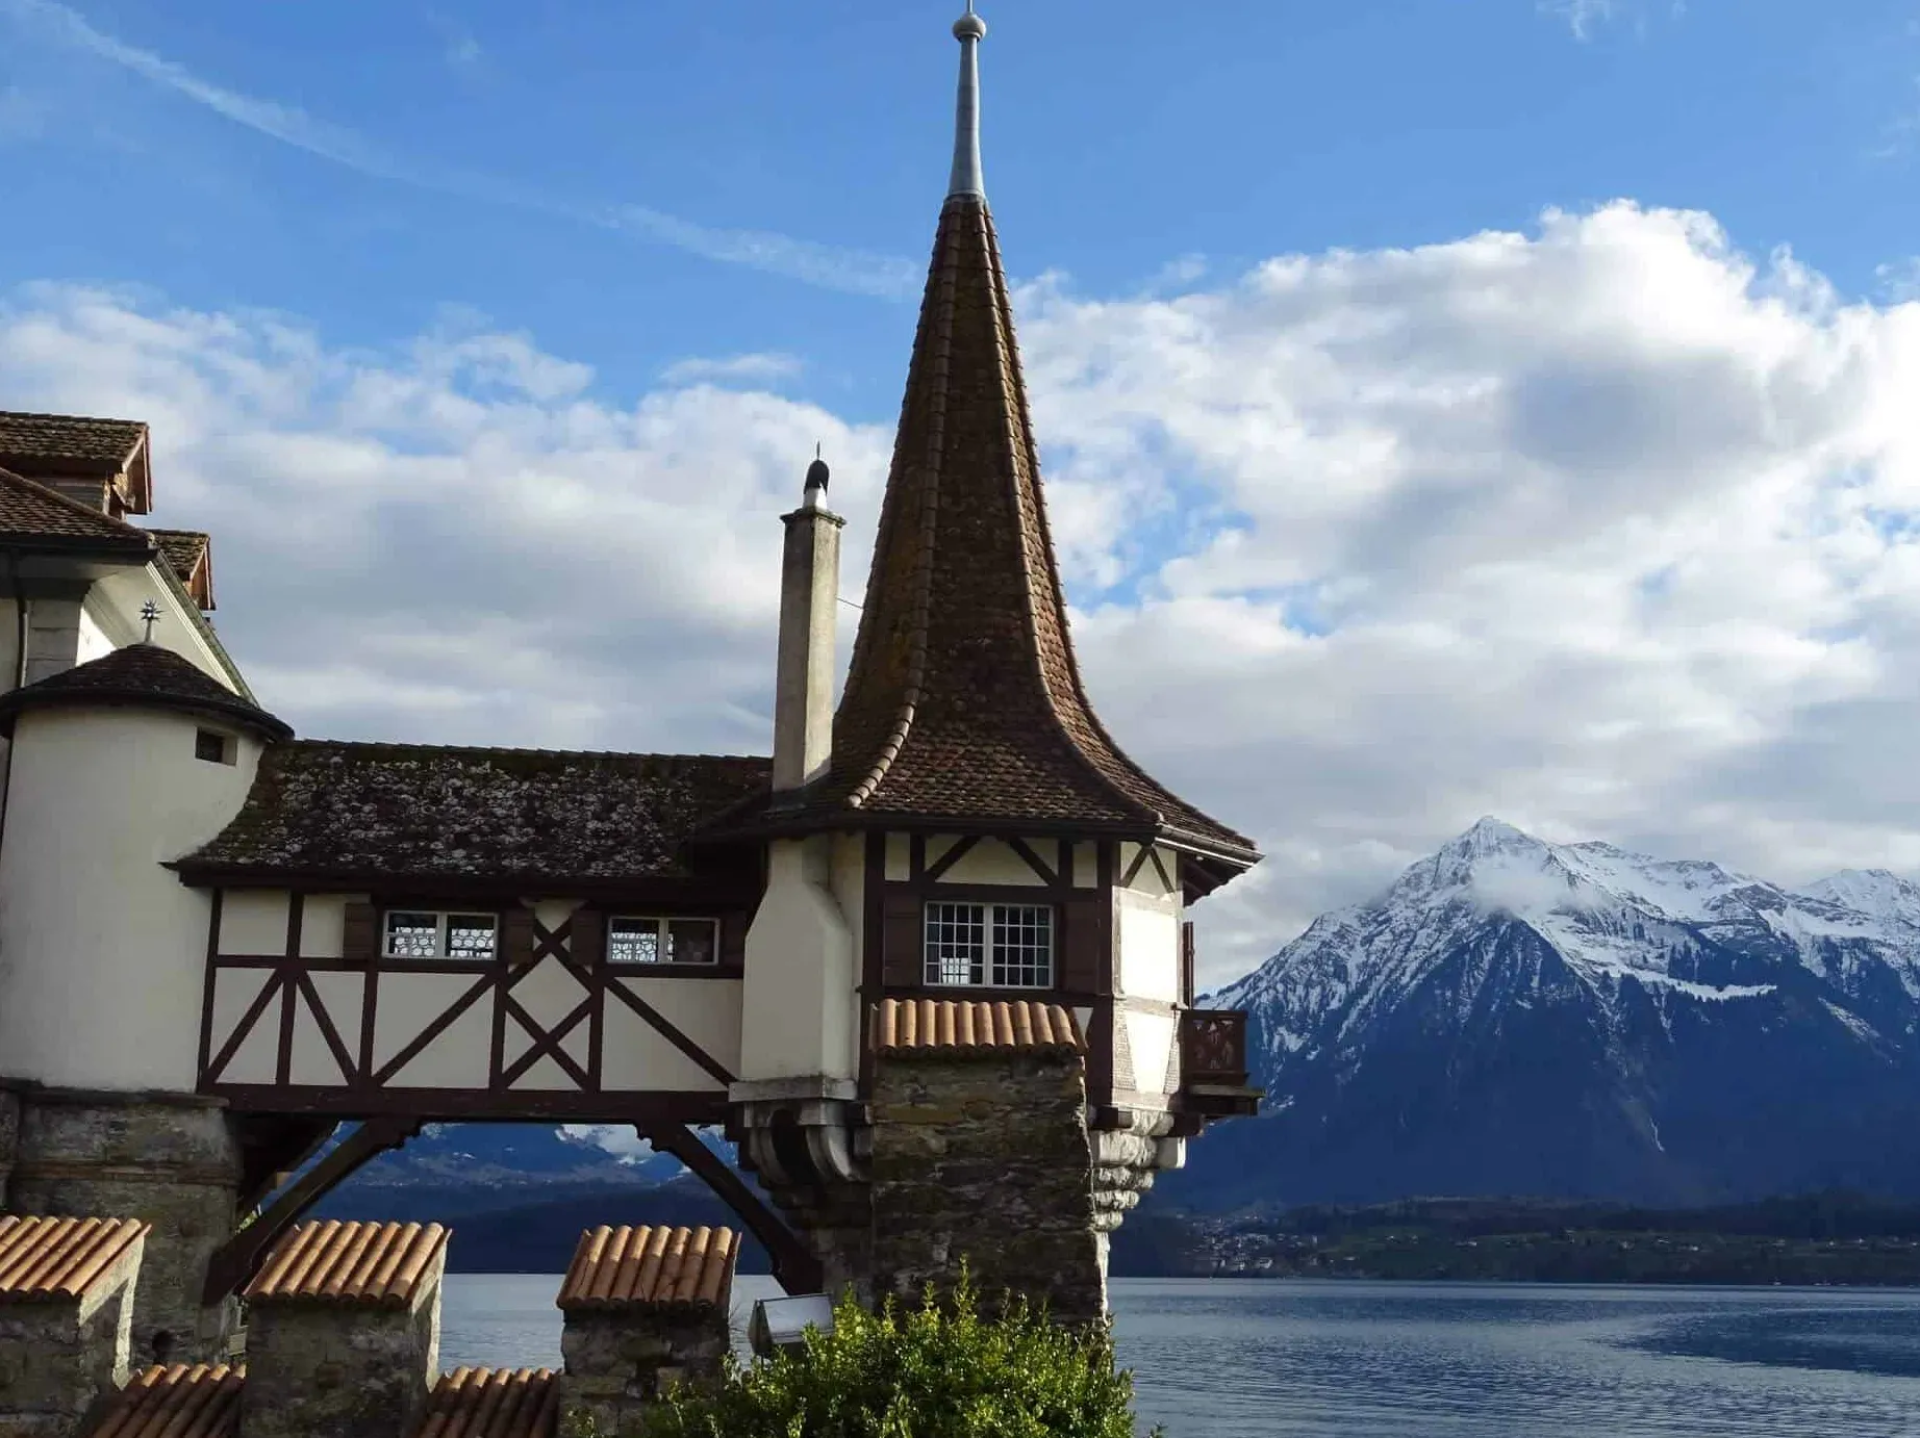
(240, 1257)
(793, 1264)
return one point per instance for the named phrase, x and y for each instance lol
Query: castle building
(928, 964)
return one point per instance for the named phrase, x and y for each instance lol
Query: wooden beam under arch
(794, 1265)
(240, 1257)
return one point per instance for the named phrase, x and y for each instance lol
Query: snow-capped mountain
(1517, 1017)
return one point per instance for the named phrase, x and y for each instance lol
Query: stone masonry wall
(317, 1371)
(987, 1158)
(9, 1141)
(619, 1362)
(57, 1367)
(174, 1163)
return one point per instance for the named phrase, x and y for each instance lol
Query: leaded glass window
(636, 940)
(424, 934)
(1006, 946)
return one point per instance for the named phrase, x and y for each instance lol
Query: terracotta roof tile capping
(493, 1403)
(45, 1259)
(616, 1267)
(177, 1402)
(962, 1026)
(379, 1265)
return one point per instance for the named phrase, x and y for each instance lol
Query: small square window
(633, 941)
(470, 936)
(212, 746)
(412, 935)
(692, 941)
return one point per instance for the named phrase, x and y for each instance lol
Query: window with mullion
(636, 940)
(983, 945)
(430, 934)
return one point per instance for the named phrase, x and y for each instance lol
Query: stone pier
(168, 1160)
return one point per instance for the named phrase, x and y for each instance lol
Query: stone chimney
(645, 1308)
(803, 678)
(66, 1319)
(343, 1332)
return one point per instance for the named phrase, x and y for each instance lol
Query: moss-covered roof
(321, 810)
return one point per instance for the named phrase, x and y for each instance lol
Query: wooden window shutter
(733, 941)
(903, 941)
(587, 936)
(360, 939)
(1083, 942)
(1186, 964)
(516, 936)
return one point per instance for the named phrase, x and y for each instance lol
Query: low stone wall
(172, 1161)
(320, 1372)
(986, 1157)
(619, 1363)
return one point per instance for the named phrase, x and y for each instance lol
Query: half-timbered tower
(928, 964)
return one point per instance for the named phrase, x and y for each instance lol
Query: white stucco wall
(1150, 1038)
(992, 861)
(101, 949)
(1146, 943)
(254, 922)
(799, 1010)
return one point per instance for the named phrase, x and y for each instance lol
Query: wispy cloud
(1900, 281)
(1582, 16)
(1586, 17)
(734, 369)
(825, 266)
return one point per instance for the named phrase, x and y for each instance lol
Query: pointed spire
(968, 183)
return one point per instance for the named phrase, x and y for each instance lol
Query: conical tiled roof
(141, 675)
(964, 698)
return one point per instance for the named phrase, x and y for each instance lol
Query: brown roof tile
(962, 1026)
(620, 1267)
(189, 553)
(964, 700)
(202, 1401)
(375, 1265)
(30, 510)
(140, 674)
(413, 811)
(493, 1403)
(44, 1259)
(69, 443)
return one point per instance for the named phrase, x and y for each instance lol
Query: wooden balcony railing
(1213, 1048)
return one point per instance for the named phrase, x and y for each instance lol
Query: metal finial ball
(969, 26)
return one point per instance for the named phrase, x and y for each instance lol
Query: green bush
(941, 1371)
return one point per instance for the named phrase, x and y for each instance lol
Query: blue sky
(1450, 406)
(1122, 139)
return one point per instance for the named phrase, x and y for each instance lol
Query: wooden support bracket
(240, 1257)
(793, 1263)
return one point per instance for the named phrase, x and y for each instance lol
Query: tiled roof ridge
(46, 493)
(50, 1257)
(375, 1265)
(982, 1027)
(385, 746)
(103, 419)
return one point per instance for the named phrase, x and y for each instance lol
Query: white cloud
(1582, 16)
(734, 369)
(1605, 528)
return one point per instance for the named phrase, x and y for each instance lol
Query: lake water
(1258, 1359)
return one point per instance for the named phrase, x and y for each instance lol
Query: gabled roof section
(190, 555)
(182, 1401)
(320, 810)
(33, 512)
(352, 1265)
(49, 1259)
(650, 1267)
(43, 445)
(140, 675)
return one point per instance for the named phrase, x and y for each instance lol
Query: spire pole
(968, 183)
